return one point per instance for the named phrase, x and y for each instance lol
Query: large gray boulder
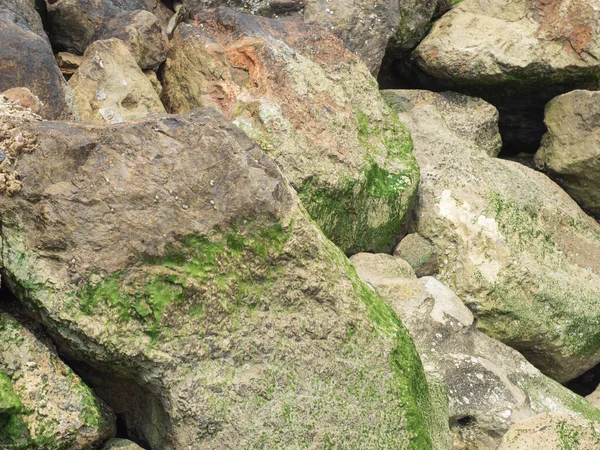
(171, 262)
(415, 20)
(514, 246)
(43, 404)
(490, 386)
(570, 150)
(314, 107)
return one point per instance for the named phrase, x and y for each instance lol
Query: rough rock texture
(594, 398)
(26, 60)
(516, 54)
(552, 431)
(68, 63)
(52, 408)
(25, 97)
(121, 444)
(365, 26)
(75, 22)
(142, 33)
(570, 150)
(490, 386)
(109, 87)
(22, 13)
(415, 19)
(419, 253)
(313, 107)
(514, 246)
(170, 255)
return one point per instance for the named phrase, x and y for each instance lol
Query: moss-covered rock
(170, 257)
(514, 246)
(313, 107)
(43, 404)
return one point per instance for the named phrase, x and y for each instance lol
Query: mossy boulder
(489, 386)
(313, 107)
(514, 246)
(170, 260)
(43, 404)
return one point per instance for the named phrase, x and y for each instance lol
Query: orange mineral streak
(566, 20)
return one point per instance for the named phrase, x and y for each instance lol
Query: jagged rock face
(109, 86)
(170, 255)
(490, 386)
(313, 107)
(570, 150)
(419, 253)
(51, 407)
(75, 22)
(515, 247)
(142, 33)
(415, 19)
(365, 26)
(552, 431)
(22, 13)
(517, 55)
(26, 60)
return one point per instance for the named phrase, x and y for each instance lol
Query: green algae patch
(232, 268)
(366, 212)
(10, 404)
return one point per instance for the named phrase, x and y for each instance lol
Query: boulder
(68, 63)
(490, 386)
(415, 20)
(25, 97)
(43, 404)
(365, 26)
(169, 259)
(514, 246)
(26, 60)
(517, 55)
(121, 444)
(419, 253)
(109, 87)
(73, 23)
(313, 107)
(22, 14)
(594, 398)
(552, 431)
(570, 151)
(141, 32)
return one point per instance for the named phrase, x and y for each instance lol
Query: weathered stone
(594, 398)
(419, 253)
(415, 19)
(68, 63)
(48, 405)
(25, 97)
(154, 81)
(514, 246)
(22, 13)
(570, 150)
(517, 55)
(121, 444)
(109, 86)
(490, 386)
(141, 32)
(75, 22)
(170, 258)
(313, 107)
(26, 60)
(552, 431)
(365, 26)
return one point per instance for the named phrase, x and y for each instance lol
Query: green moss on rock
(10, 404)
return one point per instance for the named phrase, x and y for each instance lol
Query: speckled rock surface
(415, 20)
(419, 253)
(515, 247)
(141, 31)
(552, 431)
(169, 259)
(109, 86)
(313, 107)
(121, 444)
(490, 386)
(570, 151)
(52, 408)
